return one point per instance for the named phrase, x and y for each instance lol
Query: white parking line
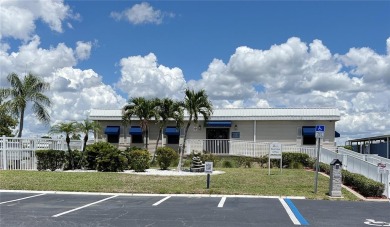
(289, 212)
(223, 199)
(162, 200)
(69, 211)
(10, 201)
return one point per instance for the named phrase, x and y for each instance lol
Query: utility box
(335, 178)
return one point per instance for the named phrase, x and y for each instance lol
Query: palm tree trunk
(184, 142)
(21, 122)
(158, 139)
(71, 161)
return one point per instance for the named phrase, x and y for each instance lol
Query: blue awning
(308, 131)
(135, 130)
(172, 131)
(223, 124)
(112, 130)
(336, 134)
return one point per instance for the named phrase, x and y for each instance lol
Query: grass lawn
(235, 181)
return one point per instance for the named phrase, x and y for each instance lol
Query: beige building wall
(288, 132)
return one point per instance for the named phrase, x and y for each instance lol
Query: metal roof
(243, 114)
(382, 137)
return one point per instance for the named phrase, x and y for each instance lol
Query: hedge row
(289, 160)
(105, 157)
(363, 185)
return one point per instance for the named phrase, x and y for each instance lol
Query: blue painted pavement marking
(298, 215)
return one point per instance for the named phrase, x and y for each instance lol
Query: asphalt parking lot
(74, 209)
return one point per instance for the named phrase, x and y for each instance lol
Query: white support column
(388, 155)
(4, 154)
(254, 131)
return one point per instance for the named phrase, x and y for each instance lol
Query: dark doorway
(217, 140)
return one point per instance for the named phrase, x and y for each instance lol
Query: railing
(361, 164)
(240, 147)
(19, 153)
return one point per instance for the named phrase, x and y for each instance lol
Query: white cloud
(80, 91)
(142, 76)
(73, 91)
(18, 17)
(142, 13)
(83, 50)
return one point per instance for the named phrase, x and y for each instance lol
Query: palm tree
(86, 127)
(144, 109)
(195, 103)
(69, 129)
(167, 109)
(29, 89)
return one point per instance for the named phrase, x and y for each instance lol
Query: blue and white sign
(320, 128)
(320, 131)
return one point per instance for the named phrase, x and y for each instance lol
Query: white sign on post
(208, 167)
(381, 168)
(275, 152)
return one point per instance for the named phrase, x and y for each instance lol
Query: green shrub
(93, 150)
(50, 159)
(139, 160)
(227, 164)
(295, 165)
(165, 157)
(111, 160)
(362, 184)
(78, 159)
(244, 161)
(207, 157)
(290, 157)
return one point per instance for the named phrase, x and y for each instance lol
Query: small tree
(142, 108)
(167, 109)
(195, 103)
(69, 129)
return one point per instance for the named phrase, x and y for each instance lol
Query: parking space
(55, 209)
(345, 213)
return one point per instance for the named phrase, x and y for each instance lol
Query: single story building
(379, 145)
(294, 126)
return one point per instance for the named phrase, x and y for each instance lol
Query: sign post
(275, 152)
(208, 169)
(320, 131)
(381, 170)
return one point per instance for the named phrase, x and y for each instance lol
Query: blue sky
(243, 53)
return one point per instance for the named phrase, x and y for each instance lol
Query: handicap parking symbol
(320, 128)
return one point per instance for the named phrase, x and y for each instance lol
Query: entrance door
(217, 140)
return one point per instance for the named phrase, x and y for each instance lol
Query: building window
(137, 139)
(173, 139)
(112, 133)
(173, 135)
(136, 134)
(308, 135)
(113, 138)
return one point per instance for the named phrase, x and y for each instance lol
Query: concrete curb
(156, 195)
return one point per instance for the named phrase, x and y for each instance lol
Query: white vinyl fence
(240, 147)
(19, 153)
(366, 165)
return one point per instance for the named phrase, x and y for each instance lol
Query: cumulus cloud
(18, 18)
(83, 50)
(299, 74)
(73, 91)
(143, 76)
(142, 13)
(80, 91)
